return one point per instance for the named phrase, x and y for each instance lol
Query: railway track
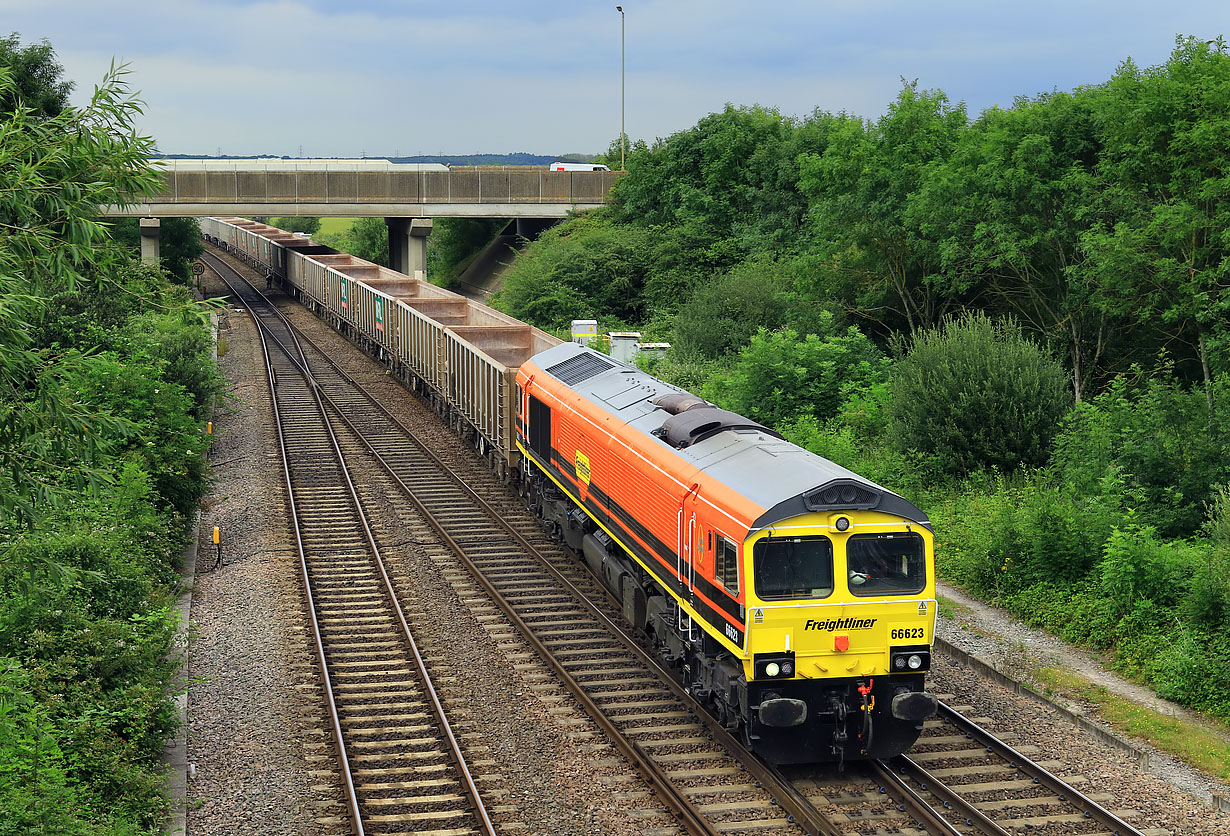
(987, 786)
(401, 763)
(703, 775)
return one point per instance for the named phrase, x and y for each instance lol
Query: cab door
(685, 561)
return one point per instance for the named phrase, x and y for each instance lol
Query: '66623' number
(908, 633)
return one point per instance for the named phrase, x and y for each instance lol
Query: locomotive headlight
(773, 665)
(910, 660)
(843, 523)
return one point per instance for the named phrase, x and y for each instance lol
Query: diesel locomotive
(793, 597)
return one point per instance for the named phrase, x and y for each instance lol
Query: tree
(882, 264)
(36, 79)
(369, 240)
(1007, 209)
(1165, 257)
(55, 174)
(366, 238)
(297, 223)
(714, 176)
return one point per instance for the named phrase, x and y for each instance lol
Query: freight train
(794, 598)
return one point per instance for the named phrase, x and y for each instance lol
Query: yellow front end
(871, 617)
(840, 621)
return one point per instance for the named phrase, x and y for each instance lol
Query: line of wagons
(460, 355)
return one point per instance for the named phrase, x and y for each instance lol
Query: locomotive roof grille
(579, 368)
(843, 494)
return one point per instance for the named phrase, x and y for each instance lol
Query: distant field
(334, 225)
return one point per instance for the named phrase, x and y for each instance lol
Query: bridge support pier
(151, 234)
(408, 244)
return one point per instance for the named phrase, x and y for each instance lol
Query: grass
(958, 614)
(332, 226)
(950, 608)
(1199, 747)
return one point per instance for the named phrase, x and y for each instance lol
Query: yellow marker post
(217, 549)
(209, 427)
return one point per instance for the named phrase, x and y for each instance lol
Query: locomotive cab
(841, 616)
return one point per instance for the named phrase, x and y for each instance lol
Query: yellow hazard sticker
(582, 465)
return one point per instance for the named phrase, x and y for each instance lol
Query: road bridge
(367, 188)
(407, 195)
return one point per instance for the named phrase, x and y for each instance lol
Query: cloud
(544, 75)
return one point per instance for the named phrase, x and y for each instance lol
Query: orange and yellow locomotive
(794, 597)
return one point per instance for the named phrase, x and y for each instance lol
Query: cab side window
(726, 563)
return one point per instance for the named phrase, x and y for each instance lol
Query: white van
(557, 166)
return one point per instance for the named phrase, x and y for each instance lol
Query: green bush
(580, 269)
(1218, 524)
(1079, 614)
(454, 242)
(164, 436)
(978, 394)
(297, 223)
(1002, 535)
(1133, 568)
(779, 377)
(1207, 605)
(184, 351)
(726, 312)
(36, 795)
(1187, 666)
(689, 373)
(94, 315)
(1155, 445)
(84, 607)
(365, 238)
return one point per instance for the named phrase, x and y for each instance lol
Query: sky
(350, 78)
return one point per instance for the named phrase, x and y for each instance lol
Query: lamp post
(622, 133)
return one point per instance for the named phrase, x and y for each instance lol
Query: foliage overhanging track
(356, 619)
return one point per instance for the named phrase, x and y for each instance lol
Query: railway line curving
(701, 774)
(399, 758)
